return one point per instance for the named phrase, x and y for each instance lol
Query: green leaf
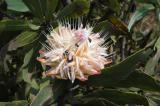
(42, 9)
(75, 9)
(27, 69)
(95, 102)
(16, 5)
(23, 39)
(151, 64)
(16, 25)
(104, 25)
(37, 7)
(124, 75)
(114, 5)
(114, 74)
(114, 25)
(15, 103)
(43, 96)
(140, 80)
(154, 100)
(27, 77)
(139, 14)
(157, 44)
(44, 82)
(148, 1)
(119, 25)
(50, 8)
(158, 14)
(153, 103)
(153, 61)
(60, 88)
(117, 97)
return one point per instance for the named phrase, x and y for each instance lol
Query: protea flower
(74, 52)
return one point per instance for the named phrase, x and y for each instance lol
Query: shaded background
(133, 38)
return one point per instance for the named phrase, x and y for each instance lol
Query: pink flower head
(74, 53)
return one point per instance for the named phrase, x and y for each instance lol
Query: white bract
(74, 53)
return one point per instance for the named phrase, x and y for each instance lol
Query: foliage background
(133, 28)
